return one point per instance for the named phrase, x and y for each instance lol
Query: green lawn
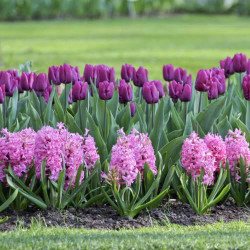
(191, 42)
(219, 236)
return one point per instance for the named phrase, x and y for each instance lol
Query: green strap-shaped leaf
(7, 203)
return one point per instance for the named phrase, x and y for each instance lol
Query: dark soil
(105, 217)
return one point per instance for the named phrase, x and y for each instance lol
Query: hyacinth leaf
(243, 179)
(188, 125)
(151, 203)
(35, 120)
(137, 190)
(248, 115)
(28, 196)
(59, 114)
(120, 202)
(169, 178)
(112, 104)
(60, 185)
(12, 109)
(4, 220)
(95, 132)
(222, 194)
(64, 97)
(242, 127)
(71, 123)
(44, 182)
(223, 127)
(210, 114)
(156, 132)
(93, 200)
(148, 177)
(7, 203)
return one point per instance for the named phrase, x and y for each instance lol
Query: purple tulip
(89, 73)
(186, 94)
(70, 97)
(180, 75)
(68, 74)
(19, 86)
(248, 67)
(40, 83)
(168, 72)
(104, 73)
(125, 91)
(240, 63)
(132, 108)
(128, 72)
(5, 78)
(54, 75)
(27, 80)
(106, 90)
(175, 90)
(212, 92)
(140, 77)
(150, 93)
(11, 87)
(79, 91)
(2, 93)
(246, 87)
(202, 80)
(47, 93)
(227, 65)
(219, 75)
(159, 86)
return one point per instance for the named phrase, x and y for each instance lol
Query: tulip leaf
(188, 126)
(242, 127)
(174, 134)
(223, 127)
(113, 104)
(64, 97)
(12, 109)
(156, 132)
(71, 123)
(59, 114)
(141, 118)
(197, 128)
(248, 115)
(48, 109)
(112, 132)
(210, 114)
(35, 120)
(34, 100)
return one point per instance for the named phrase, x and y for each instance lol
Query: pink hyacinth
(129, 156)
(237, 146)
(17, 149)
(196, 156)
(217, 146)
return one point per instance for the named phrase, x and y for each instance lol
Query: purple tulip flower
(104, 73)
(106, 90)
(54, 75)
(246, 87)
(168, 72)
(140, 77)
(175, 90)
(180, 75)
(79, 91)
(227, 65)
(150, 93)
(40, 83)
(132, 108)
(159, 86)
(2, 93)
(240, 63)
(128, 72)
(125, 91)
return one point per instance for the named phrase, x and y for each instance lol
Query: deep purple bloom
(246, 87)
(212, 92)
(128, 72)
(13, 73)
(79, 91)
(140, 77)
(248, 67)
(68, 74)
(27, 80)
(11, 87)
(159, 86)
(125, 92)
(186, 94)
(54, 75)
(40, 83)
(150, 93)
(240, 63)
(2, 93)
(5, 78)
(180, 75)
(89, 73)
(19, 85)
(202, 80)
(106, 90)
(104, 73)
(47, 93)
(227, 65)
(132, 108)
(219, 75)
(175, 90)
(70, 97)
(168, 72)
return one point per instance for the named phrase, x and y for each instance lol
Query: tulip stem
(229, 83)
(200, 103)
(153, 113)
(4, 114)
(147, 111)
(41, 106)
(105, 110)
(65, 99)
(80, 113)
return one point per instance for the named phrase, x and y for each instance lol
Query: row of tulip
(53, 167)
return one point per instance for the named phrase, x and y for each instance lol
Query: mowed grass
(188, 41)
(218, 236)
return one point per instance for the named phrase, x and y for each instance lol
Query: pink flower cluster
(16, 149)
(129, 155)
(23, 149)
(210, 153)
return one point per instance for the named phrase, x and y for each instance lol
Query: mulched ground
(105, 217)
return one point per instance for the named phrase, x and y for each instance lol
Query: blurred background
(192, 34)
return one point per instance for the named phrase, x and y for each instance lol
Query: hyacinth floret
(196, 156)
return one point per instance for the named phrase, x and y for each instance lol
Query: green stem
(105, 110)
(79, 109)
(200, 103)
(229, 83)
(153, 113)
(65, 99)
(41, 107)
(147, 115)
(4, 113)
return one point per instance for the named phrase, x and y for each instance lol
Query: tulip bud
(248, 67)
(125, 92)
(106, 90)
(186, 94)
(13, 73)
(89, 73)
(68, 74)
(159, 86)
(54, 75)
(132, 108)
(180, 75)
(40, 83)
(201, 83)
(128, 72)
(5, 78)
(104, 73)
(79, 91)
(212, 92)
(19, 86)
(246, 87)
(140, 77)
(240, 63)
(70, 100)
(47, 93)
(168, 72)
(2, 93)
(150, 93)
(27, 80)
(227, 65)
(11, 87)
(221, 80)
(175, 90)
